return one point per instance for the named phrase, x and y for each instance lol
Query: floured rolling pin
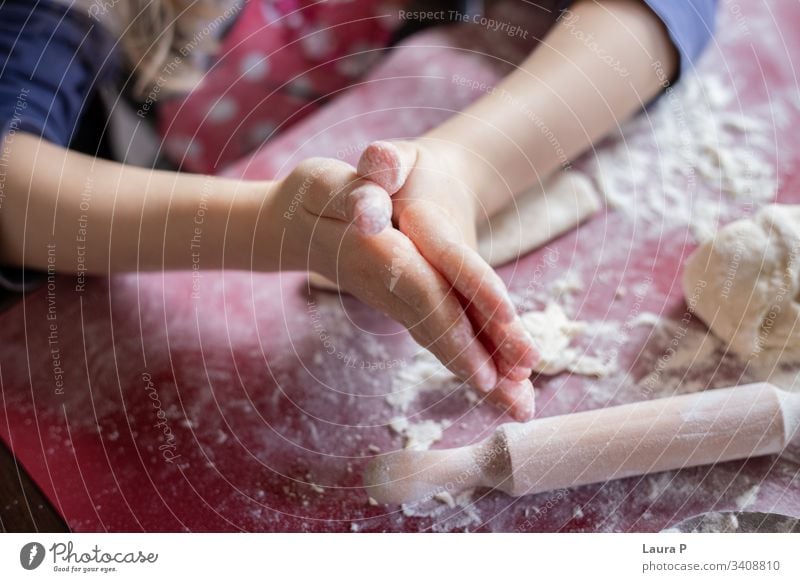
(597, 445)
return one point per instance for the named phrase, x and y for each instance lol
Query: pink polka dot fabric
(276, 65)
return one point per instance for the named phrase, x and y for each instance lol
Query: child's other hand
(434, 207)
(359, 202)
(386, 270)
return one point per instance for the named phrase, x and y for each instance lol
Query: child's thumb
(388, 164)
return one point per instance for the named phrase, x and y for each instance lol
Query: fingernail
(525, 407)
(372, 209)
(372, 217)
(484, 379)
(382, 163)
(520, 399)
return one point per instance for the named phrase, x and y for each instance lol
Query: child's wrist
(256, 224)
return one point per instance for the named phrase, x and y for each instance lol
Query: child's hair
(162, 40)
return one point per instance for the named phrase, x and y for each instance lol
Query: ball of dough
(744, 282)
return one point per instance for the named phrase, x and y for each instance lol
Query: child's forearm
(600, 64)
(74, 212)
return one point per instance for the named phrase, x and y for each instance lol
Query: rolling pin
(597, 445)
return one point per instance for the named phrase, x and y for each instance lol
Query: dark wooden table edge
(23, 506)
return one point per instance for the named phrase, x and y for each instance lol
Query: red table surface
(256, 417)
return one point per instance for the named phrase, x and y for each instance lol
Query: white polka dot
(254, 66)
(357, 63)
(271, 14)
(261, 132)
(300, 87)
(223, 110)
(184, 147)
(388, 15)
(318, 44)
(294, 20)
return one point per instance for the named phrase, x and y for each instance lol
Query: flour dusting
(691, 159)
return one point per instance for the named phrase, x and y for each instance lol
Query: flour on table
(693, 357)
(645, 318)
(713, 522)
(418, 435)
(446, 498)
(568, 284)
(683, 365)
(552, 333)
(748, 497)
(692, 159)
(449, 511)
(592, 366)
(399, 424)
(423, 374)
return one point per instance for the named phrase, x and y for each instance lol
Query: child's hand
(310, 217)
(435, 209)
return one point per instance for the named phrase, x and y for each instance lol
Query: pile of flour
(692, 159)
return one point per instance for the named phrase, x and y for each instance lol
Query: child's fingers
(474, 279)
(387, 164)
(438, 322)
(368, 207)
(509, 344)
(388, 272)
(330, 188)
(440, 242)
(464, 356)
(518, 398)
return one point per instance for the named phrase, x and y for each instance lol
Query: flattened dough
(537, 217)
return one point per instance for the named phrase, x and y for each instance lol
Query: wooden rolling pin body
(646, 437)
(598, 445)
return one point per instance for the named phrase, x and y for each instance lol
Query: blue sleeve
(51, 58)
(690, 24)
